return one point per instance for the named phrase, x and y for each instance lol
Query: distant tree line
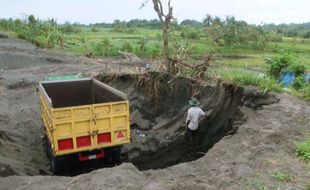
(290, 30)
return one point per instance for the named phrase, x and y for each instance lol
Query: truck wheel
(56, 165)
(113, 156)
(117, 156)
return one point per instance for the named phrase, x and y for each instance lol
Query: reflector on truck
(65, 144)
(104, 138)
(120, 136)
(83, 141)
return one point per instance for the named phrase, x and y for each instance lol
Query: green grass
(283, 176)
(247, 77)
(303, 150)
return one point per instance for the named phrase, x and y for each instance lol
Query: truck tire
(56, 165)
(113, 156)
(117, 155)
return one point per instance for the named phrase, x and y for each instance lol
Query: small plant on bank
(283, 176)
(303, 150)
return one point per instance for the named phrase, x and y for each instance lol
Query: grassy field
(227, 56)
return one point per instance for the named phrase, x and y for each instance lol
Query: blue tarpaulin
(308, 77)
(288, 78)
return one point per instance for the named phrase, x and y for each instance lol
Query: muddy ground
(253, 142)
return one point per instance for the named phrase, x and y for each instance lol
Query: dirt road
(250, 158)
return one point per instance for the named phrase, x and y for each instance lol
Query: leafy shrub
(105, 48)
(190, 33)
(279, 63)
(141, 48)
(306, 92)
(297, 69)
(69, 28)
(127, 47)
(156, 51)
(299, 82)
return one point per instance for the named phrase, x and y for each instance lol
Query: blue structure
(287, 78)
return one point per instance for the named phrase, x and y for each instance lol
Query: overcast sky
(92, 11)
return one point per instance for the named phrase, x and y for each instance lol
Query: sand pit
(159, 103)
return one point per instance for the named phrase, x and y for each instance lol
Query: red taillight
(83, 141)
(65, 144)
(104, 138)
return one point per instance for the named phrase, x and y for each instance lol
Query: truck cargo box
(83, 115)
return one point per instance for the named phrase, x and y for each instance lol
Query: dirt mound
(22, 84)
(17, 61)
(255, 98)
(2, 35)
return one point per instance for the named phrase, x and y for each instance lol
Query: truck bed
(83, 115)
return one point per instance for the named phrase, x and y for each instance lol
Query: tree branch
(158, 10)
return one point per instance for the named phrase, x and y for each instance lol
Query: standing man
(194, 115)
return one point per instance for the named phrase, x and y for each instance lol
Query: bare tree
(165, 20)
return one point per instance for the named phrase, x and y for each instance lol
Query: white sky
(92, 11)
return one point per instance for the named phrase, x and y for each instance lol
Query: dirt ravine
(260, 142)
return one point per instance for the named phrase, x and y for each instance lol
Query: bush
(141, 48)
(127, 47)
(105, 48)
(69, 28)
(279, 63)
(190, 33)
(299, 82)
(306, 92)
(297, 69)
(156, 51)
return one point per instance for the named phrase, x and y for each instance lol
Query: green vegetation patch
(303, 150)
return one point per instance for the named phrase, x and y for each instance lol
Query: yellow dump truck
(83, 119)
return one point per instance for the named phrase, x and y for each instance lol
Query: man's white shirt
(193, 116)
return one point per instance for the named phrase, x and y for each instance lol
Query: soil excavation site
(159, 103)
(246, 137)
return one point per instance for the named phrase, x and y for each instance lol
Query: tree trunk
(166, 46)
